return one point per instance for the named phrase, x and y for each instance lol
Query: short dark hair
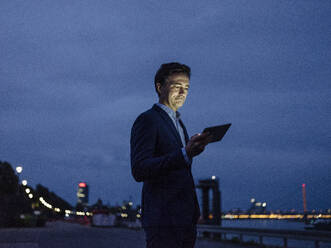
(169, 69)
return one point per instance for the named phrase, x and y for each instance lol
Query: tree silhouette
(8, 179)
(11, 198)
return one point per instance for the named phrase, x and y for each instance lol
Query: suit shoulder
(147, 116)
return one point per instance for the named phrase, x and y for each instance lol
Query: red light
(82, 185)
(303, 185)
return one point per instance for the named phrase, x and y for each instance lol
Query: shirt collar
(170, 112)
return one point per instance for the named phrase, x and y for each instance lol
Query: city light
(82, 185)
(245, 215)
(80, 194)
(27, 190)
(19, 169)
(46, 204)
(276, 216)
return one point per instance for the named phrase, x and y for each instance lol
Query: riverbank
(70, 235)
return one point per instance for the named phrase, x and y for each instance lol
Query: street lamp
(19, 169)
(24, 182)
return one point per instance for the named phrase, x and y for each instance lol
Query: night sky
(74, 76)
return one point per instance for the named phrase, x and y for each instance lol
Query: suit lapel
(169, 122)
(186, 140)
(185, 131)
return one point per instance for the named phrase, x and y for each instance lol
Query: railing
(315, 236)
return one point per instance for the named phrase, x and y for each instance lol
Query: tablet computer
(217, 132)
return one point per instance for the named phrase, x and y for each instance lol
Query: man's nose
(181, 90)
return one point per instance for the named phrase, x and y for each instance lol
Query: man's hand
(196, 144)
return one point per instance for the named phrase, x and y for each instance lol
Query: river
(274, 224)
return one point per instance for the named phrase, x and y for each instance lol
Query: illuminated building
(82, 194)
(257, 207)
(213, 215)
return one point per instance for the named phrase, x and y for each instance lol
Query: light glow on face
(173, 93)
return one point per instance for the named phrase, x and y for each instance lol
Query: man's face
(173, 93)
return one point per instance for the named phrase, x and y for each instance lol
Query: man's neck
(166, 104)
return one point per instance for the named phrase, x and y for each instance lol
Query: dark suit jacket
(168, 196)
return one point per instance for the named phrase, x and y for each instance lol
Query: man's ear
(158, 88)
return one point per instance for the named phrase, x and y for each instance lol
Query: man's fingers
(195, 136)
(201, 142)
(199, 137)
(199, 145)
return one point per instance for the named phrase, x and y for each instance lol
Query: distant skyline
(75, 75)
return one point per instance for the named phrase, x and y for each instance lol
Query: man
(161, 157)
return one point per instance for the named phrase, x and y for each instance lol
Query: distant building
(257, 207)
(82, 194)
(210, 215)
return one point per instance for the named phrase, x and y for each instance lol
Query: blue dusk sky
(75, 75)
